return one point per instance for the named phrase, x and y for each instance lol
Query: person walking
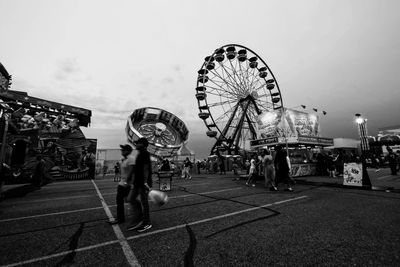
(165, 165)
(38, 174)
(90, 162)
(392, 158)
(283, 167)
(124, 186)
(221, 164)
(269, 170)
(142, 183)
(252, 173)
(331, 165)
(186, 169)
(117, 176)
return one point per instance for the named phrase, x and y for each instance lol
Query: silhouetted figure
(282, 168)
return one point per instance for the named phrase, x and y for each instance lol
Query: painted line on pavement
(149, 233)
(57, 198)
(186, 185)
(96, 208)
(48, 214)
(61, 254)
(213, 218)
(130, 256)
(207, 193)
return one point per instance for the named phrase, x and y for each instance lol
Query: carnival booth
(298, 132)
(389, 138)
(31, 126)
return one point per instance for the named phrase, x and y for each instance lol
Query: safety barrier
(75, 175)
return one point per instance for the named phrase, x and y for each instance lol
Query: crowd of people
(331, 164)
(134, 173)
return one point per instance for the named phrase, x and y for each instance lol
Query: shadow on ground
(20, 191)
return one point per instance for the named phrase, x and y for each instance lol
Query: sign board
(287, 123)
(165, 180)
(165, 184)
(352, 174)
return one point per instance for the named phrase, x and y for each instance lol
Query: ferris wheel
(234, 86)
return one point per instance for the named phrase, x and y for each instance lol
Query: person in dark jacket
(165, 166)
(392, 158)
(282, 168)
(142, 182)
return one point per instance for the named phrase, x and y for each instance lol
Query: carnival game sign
(305, 124)
(352, 174)
(287, 123)
(268, 123)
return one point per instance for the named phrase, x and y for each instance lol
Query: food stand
(298, 132)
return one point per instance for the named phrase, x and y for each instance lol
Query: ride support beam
(238, 130)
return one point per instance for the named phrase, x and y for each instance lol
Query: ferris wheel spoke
(241, 87)
(219, 103)
(228, 83)
(259, 87)
(254, 76)
(247, 78)
(225, 114)
(225, 94)
(221, 92)
(231, 78)
(230, 86)
(235, 74)
(256, 81)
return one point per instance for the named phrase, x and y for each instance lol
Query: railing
(76, 174)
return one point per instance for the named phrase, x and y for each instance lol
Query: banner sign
(299, 169)
(352, 174)
(266, 141)
(287, 123)
(316, 140)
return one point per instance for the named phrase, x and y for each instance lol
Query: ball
(158, 197)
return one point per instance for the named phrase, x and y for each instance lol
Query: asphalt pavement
(209, 220)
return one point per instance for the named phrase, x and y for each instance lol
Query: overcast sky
(341, 56)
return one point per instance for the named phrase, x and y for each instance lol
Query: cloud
(69, 65)
(69, 70)
(168, 80)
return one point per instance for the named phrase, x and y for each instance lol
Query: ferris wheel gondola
(235, 85)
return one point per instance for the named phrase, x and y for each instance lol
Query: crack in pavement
(73, 245)
(188, 259)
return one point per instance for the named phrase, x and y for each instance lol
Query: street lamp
(362, 131)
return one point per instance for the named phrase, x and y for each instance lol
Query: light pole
(362, 131)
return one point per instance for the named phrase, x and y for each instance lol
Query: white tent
(185, 152)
